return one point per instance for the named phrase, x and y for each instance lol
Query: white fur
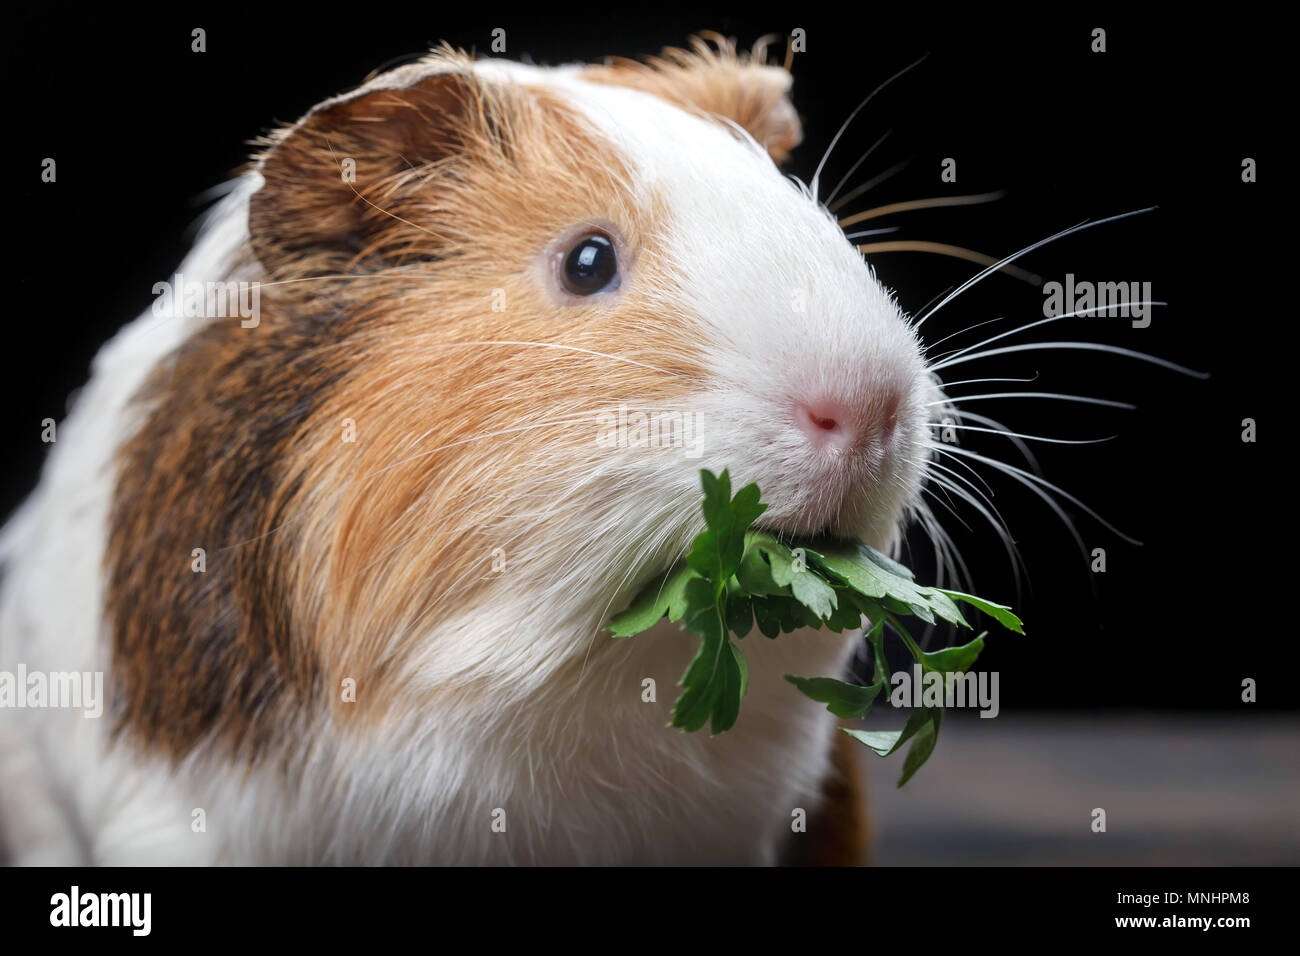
(66, 798)
(555, 733)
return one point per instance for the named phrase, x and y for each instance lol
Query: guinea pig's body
(345, 569)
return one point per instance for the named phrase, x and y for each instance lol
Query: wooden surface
(1178, 790)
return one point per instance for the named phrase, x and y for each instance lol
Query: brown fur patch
(837, 833)
(218, 652)
(326, 557)
(717, 81)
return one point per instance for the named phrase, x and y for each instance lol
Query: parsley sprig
(736, 577)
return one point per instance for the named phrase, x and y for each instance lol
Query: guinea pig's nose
(836, 425)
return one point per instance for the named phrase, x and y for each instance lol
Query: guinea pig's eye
(591, 266)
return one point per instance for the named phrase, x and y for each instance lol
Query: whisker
(945, 548)
(969, 328)
(1026, 250)
(946, 562)
(981, 381)
(938, 499)
(987, 494)
(340, 275)
(1031, 325)
(1031, 480)
(956, 400)
(955, 252)
(1004, 536)
(934, 202)
(853, 169)
(553, 345)
(989, 513)
(872, 232)
(869, 185)
(1085, 346)
(1021, 447)
(856, 110)
(1054, 441)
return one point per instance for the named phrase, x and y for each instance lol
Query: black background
(141, 127)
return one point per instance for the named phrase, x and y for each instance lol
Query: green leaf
(716, 553)
(644, 613)
(876, 638)
(852, 565)
(740, 617)
(746, 509)
(846, 616)
(717, 498)
(840, 698)
(734, 675)
(999, 612)
(705, 555)
(871, 574)
(814, 593)
(779, 557)
(663, 596)
(792, 617)
(755, 574)
(953, 659)
(743, 665)
(943, 606)
(705, 678)
(885, 742)
(886, 562)
(922, 745)
(715, 607)
(735, 577)
(872, 610)
(678, 604)
(768, 613)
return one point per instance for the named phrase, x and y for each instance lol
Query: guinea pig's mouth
(825, 537)
(819, 539)
(836, 516)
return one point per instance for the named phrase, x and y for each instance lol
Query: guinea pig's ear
(715, 79)
(331, 181)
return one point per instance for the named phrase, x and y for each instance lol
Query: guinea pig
(345, 560)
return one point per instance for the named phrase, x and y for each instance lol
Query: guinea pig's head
(559, 293)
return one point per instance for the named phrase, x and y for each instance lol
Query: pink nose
(835, 425)
(822, 419)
